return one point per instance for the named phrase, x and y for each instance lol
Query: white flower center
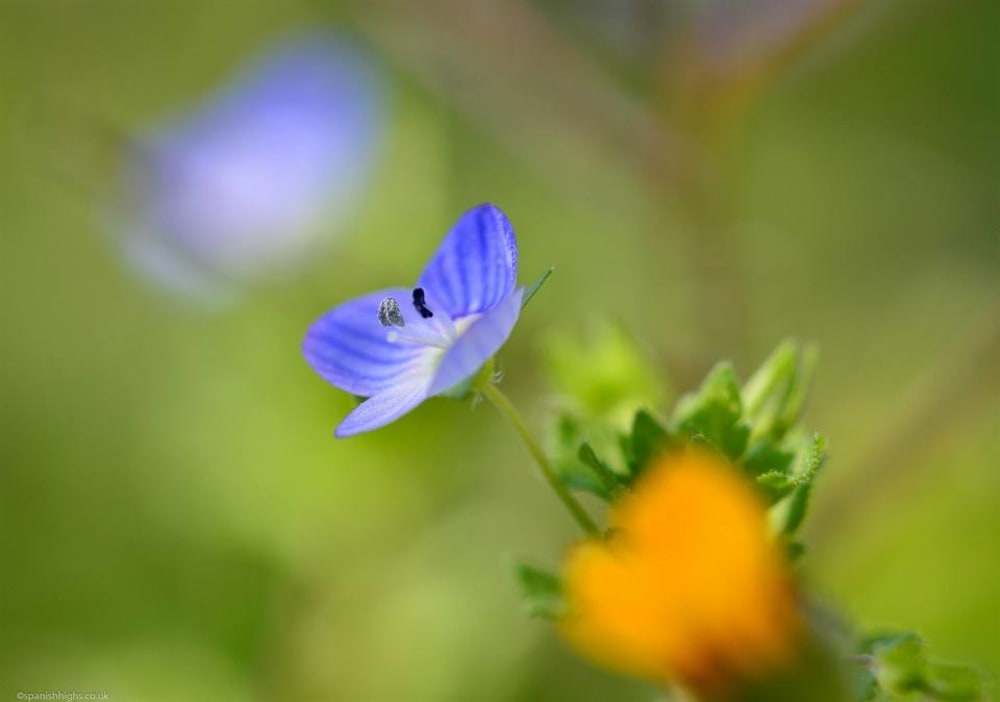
(431, 329)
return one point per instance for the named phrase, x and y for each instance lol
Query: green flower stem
(501, 402)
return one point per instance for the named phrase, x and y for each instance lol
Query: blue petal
(383, 408)
(268, 167)
(478, 344)
(347, 346)
(475, 268)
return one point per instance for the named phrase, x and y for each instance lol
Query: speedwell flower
(689, 587)
(250, 182)
(400, 346)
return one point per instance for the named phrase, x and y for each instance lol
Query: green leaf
(772, 379)
(946, 681)
(530, 292)
(541, 591)
(612, 481)
(809, 460)
(787, 515)
(790, 491)
(900, 663)
(647, 440)
(864, 686)
(766, 457)
(901, 667)
(566, 435)
(796, 400)
(775, 395)
(713, 414)
(577, 477)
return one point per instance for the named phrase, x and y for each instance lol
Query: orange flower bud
(689, 587)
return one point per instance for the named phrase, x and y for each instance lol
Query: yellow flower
(689, 587)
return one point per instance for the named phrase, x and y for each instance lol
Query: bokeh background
(177, 521)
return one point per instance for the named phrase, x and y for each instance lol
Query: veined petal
(478, 344)
(348, 347)
(383, 408)
(475, 268)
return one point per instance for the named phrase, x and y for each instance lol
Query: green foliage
(775, 394)
(611, 481)
(793, 486)
(647, 439)
(897, 667)
(755, 426)
(607, 377)
(713, 414)
(575, 444)
(541, 591)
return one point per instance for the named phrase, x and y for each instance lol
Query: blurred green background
(177, 521)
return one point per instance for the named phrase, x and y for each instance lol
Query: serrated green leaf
(541, 591)
(809, 460)
(766, 457)
(713, 414)
(774, 481)
(530, 292)
(648, 438)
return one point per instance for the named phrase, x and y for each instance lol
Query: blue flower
(400, 346)
(249, 183)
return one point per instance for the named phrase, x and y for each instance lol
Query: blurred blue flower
(250, 183)
(397, 347)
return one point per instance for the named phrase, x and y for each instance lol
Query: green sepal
(712, 415)
(541, 591)
(530, 292)
(476, 381)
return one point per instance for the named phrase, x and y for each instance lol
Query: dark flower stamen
(420, 305)
(389, 314)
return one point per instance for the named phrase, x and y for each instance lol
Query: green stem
(501, 402)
